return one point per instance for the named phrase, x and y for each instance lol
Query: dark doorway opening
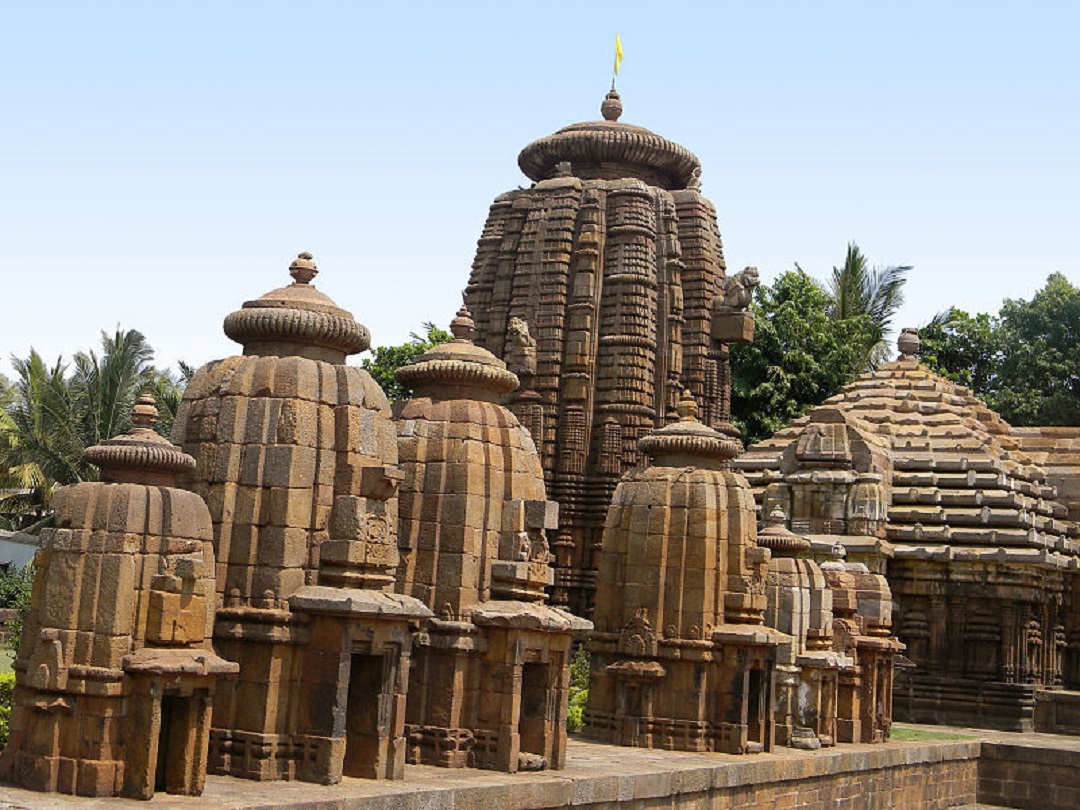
(536, 724)
(170, 715)
(756, 705)
(367, 716)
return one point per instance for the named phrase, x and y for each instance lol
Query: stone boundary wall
(1057, 712)
(1024, 776)
(912, 776)
(1033, 772)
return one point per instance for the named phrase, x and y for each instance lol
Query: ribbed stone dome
(610, 150)
(459, 363)
(140, 454)
(297, 320)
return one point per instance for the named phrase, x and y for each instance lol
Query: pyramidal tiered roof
(956, 474)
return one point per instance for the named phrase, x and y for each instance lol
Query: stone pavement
(983, 769)
(599, 775)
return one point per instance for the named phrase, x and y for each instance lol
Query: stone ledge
(597, 774)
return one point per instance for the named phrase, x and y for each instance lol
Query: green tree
(857, 289)
(16, 588)
(801, 355)
(578, 695)
(50, 416)
(965, 348)
(387, 359)
(7, 688)
(40, 447)
(1024, 362)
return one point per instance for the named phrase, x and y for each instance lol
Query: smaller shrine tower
(490, 676)
(298, 463)
(680, 656)
(115, 675)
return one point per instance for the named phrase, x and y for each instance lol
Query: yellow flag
(618, 54)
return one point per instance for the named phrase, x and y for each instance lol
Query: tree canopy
(857, 289)
(52, 413)
(385, 360)
(801, 355)
(1024, 361)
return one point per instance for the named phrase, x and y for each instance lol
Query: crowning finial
(303, 269)
(140, 456)
(463, 326)
(909, 344)
(144, 413)
(687, 407)
(775, 535)
(776, 517)
(611, 109)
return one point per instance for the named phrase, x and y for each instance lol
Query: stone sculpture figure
(490, 676)
(615, 267)
(737, 291)
(521, 351)
(115, 675)
(298, 464)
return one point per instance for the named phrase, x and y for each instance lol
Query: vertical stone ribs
(613, 260)
(703, 258)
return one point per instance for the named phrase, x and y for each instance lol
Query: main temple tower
(603, 288)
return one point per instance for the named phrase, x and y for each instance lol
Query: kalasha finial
(463, 326)
(687, 407)
(909, 343)
(776, 517)
(611, 109)
(839, 553)
(303, 269)
(144, 414)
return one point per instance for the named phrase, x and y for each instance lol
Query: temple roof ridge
(958, 475)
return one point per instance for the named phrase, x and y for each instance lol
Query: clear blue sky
(162, 162)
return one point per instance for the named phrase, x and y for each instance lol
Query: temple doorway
(534, 725)
(362, 717)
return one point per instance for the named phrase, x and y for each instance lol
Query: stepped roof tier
(957, 476)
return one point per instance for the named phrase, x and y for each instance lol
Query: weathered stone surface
(597, 287)
(680, 658)
(301, 480)
(489, 680)
(115, 673)
(917, 477)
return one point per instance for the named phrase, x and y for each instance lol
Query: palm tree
(857, 289)
(51, 417)
(39, 444)
(108, 386)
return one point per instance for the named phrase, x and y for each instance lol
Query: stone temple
(309, 585)
(116, 672)
(489, 678)
(703, 641)
(603, 288)
(297, 460)
(919, 480)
